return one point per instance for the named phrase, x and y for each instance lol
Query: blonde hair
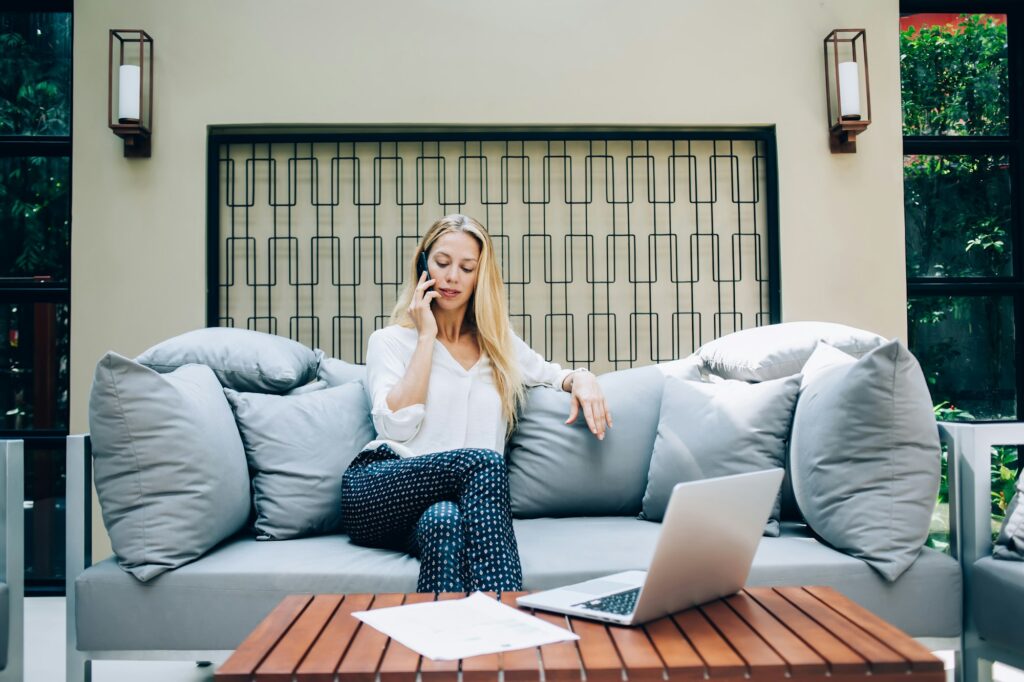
(487, 312)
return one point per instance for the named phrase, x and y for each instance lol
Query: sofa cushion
(169, 466)
(337, 372)
(298, 448)
(239, 583)
(710, 430)
(998, 601)
(556, 469)
(242, 359)
(213, 603)
(5, 617)
(864, 455)
(315, 385)
(1010, 542)
(556, 552)
(779, 350)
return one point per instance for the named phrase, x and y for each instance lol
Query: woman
(446, 379)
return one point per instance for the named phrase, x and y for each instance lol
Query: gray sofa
(12, 565)
(203, 609)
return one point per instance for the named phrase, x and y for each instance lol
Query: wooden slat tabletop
(760, 634)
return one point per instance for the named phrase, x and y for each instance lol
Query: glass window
(957, 210)
(34, 358)
(965, 345)
(954, 74)
(35, 73)
(45, 482)
(35, 213)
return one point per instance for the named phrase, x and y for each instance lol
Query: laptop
(705, 548)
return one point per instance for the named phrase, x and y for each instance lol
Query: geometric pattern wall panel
(617, 250)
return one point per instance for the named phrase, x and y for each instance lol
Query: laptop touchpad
(600, 587)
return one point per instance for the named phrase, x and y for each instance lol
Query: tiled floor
(44, 635)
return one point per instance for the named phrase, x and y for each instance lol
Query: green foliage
(957, 212)
(35, 92)
(35, 73)
(34, 206)
(965, 347)
(1004, 477)
(955, 81)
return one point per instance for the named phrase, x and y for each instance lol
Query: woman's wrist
(571, 377)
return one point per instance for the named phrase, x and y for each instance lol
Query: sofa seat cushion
(560, 551)
(214, 602)
(909, 602)
(5, 618)
(998, 601)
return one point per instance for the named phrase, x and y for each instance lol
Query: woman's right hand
(419, 309)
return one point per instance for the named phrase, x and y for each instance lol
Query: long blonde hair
(487, 312)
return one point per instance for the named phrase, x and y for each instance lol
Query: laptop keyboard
(621, 603)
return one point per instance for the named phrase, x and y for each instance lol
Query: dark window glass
(35, 211)
(965, 345)
(35, 73)
(45, 483)
(954, 74)
(34, 356)
(957, 211)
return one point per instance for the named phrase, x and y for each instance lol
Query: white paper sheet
(459, 628)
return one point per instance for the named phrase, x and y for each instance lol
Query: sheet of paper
(459, 628)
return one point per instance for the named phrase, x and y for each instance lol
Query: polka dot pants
(450, 509)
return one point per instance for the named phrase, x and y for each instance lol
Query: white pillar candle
(849, 89)
(128, 84)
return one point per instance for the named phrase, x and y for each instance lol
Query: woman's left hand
(587, 394)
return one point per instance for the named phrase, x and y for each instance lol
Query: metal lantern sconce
(130, 89)
(849, 105)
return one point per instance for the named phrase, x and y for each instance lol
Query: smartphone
(421, 267)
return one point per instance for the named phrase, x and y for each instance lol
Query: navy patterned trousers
(450, 509)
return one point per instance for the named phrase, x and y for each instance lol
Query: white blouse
(463, 407)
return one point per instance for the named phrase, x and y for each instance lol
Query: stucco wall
(139, 226)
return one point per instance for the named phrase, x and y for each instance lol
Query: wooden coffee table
(761, 633)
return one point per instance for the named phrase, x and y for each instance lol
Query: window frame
(1011, 146)
(26, 290)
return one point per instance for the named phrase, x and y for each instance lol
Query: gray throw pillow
(779, 350)
(864, 455)
(298, 448)
(169, 466)
(242, 359)
(1010, 543)
(558, 469)
(317, 385)
(338, 372)
(711, 430)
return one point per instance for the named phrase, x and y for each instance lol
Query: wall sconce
(845, 63)
(133, 103)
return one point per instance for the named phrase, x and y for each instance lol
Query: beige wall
(138, 256)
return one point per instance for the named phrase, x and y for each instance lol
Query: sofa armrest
(12, 551)
(970, 485)
(78, 540)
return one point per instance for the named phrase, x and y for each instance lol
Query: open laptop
(707, 542)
